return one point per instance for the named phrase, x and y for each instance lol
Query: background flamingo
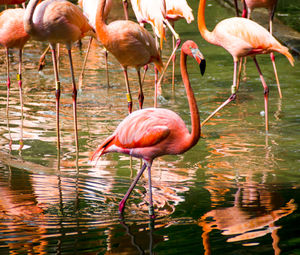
(154, 12)
(153, 132)
(13, 35)
(131, 44)
(241, 38)
(177, 9)
(248, 7)
(89, 8)
(57, 22)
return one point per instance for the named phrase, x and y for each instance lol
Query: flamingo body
(178, 9)
(243, 37)
(252, 4)
(12, 33)
(58, 21)
(149, 133)
(131, 44)
(7, 2)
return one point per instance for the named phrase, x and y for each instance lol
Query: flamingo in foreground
(153, 132)
(57, 22)
(248, 7)
(131, 44)
(241, 38)
(13, 35)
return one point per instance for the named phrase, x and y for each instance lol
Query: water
(235, 192)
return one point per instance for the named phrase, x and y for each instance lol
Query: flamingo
(9, 2)
(57, 21)
(131, 44)
(13, 35)
(241, 38)
(89, 10)
(154, 12)
(153, 132)
(248, 6)
(177, 9)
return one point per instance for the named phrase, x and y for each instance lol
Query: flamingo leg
(74, 97)
(151, 208)
(57, 93)
(106, 67)
(124, 199)
(84, 62)
(8, 80)
(158, 83)
(173, 67)
(236, 8)
(155, 86)
(231, 98)
(125, 7)
(266, 93)
(128, 95)
(19, 78)
(145, 71)
(141, 94)
(42, 59)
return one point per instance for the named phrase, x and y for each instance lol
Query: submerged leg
(74, 97)
(151, 208)
(123, 201)
(266, 93)
(19, 78)
(57, 94)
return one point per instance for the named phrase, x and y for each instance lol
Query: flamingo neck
(101, 27)
(28, 22)
(207, 35)
(195, 118)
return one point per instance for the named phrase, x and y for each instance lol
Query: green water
(235, 192)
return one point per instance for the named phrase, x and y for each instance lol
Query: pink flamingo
(57, 22)
(248, 7)
(241, 38)
(153, 132)
(131, 44)
(13, 35)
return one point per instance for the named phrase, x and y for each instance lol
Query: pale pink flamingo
(177, 9)
(248, 7)
(241, 38)
(13, 35)
(131, 44)
(154, 12)
(57, 22)
(153, 132)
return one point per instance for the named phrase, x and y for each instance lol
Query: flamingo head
(191, 48)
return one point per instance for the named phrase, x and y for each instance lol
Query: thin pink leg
(125, 7)
(128, 95)
(74, 97)
(276, 75)
(106, 67)
(266, 93)
(8, 80)
(19, 78)
(123, 201)
(141, 94)
(231, 98)
(57, 94)
(151, 208)
(80, 80)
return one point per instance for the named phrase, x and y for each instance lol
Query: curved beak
(200, 59)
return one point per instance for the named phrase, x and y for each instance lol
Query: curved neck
(207, 35)
(28, 23)
(101, 27)
(195, 118)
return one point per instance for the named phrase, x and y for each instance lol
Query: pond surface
(236, 192)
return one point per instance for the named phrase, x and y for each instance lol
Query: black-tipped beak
(202, 66)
